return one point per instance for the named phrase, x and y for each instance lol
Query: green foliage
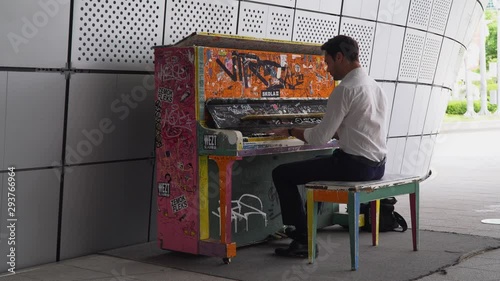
(491, 40)
(460, 107)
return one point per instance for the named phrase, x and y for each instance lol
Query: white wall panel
(444, 58)
(455, 18)
(116, 34)
(395, 12)
(456, 61)
(366, 9)
(473, 26)
(105, 206)
(443, 104)
(420, 11)
(110, 117)
(401, 110)
(3, 108)
(35, 115)
(286, 3)
(412, 55)
(37, 201)
(184, 17)
(425, 150)
(325, 6)
(433, 111)
(439, 16)
(411, 161)
(419, 109)
(389, 90)
(386, 51)
(34, 33)
(363, 32)
(430, 55)
(465, 22)
(396, 149)
(313, 27)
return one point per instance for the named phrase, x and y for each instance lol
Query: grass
(461, 118)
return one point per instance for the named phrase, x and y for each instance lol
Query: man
(355, 114)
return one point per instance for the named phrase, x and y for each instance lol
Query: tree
(491, 40)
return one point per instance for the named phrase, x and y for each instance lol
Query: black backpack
(389, 220)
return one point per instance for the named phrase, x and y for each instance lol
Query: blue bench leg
(312, 211)
(353, 212)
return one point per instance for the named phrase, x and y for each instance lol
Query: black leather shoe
(295, 249)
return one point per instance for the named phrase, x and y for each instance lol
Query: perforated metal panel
(280, 23)
(387, 51)
(325, 6)
(439, 16)
(184, 17)
(265, 21)
(314, 27)
(419, 14)
(116, 34)
(429, 58)
(363, 32)
(391, 11)
(412, 55)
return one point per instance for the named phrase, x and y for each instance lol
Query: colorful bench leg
(414, 207)
(312, 210)
(353, 210)
(375, 220)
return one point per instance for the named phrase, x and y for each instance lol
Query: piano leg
(225, 164)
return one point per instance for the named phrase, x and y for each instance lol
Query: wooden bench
(355, 193)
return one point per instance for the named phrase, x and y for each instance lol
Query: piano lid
(254, 115)
(247, 43)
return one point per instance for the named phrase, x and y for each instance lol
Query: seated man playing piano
(356, 115)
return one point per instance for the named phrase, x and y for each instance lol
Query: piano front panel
(231, 73)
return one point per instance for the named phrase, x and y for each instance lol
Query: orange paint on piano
(232, 73)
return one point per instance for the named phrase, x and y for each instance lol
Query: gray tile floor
(462, 191)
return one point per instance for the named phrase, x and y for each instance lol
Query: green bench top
(387, 180)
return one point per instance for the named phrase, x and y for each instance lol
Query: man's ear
(339, 56)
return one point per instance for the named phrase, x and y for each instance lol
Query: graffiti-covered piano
(217, 100)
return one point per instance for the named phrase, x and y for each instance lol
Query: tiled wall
(76, 98)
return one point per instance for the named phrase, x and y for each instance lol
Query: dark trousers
(338, 166)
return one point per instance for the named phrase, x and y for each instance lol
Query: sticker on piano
(164, 189)
(165, 94)
(270, 94)
(209, 142)
(179, 203)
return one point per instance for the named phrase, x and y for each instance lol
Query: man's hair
(344, 44)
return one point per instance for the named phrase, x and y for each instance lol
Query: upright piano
(218, 98)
